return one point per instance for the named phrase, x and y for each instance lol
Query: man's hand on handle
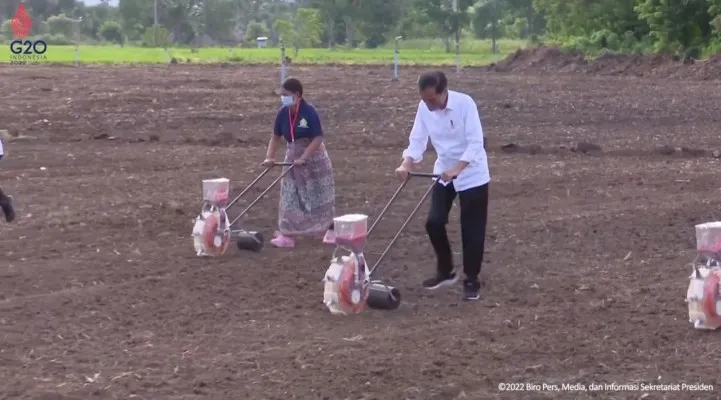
(406, 169)
(403, 171)
(449, 175)
(268, 162)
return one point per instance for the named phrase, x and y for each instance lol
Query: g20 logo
(28, 47)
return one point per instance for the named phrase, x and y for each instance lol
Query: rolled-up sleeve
(473, 133)
(418, 139)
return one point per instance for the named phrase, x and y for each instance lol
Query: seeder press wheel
(383, 297)
(245, 240)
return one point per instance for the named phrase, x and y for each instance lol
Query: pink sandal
(329, 237)
(282, 241)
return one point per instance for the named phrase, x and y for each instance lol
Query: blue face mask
(286, 100)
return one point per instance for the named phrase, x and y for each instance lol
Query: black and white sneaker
(471, 290)
(8, 208)
(440, 281)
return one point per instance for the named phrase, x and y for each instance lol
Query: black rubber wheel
(382, 297)
(252, 241)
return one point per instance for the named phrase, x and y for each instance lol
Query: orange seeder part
(209, 230)
(347, 282)
(710, 297)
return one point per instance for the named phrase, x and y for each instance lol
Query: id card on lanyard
(293, 121)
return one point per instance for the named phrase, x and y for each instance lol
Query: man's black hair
(294, 86)
(433, 79)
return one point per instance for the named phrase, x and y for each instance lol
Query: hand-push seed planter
(702, 296)
(213, 229)
(349, 284)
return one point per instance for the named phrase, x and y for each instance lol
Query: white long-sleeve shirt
(1, 148)
(457, 135)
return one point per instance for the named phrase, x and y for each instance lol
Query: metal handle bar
(257, 199)
(235, 200)
(398, 234)
(426, 175)
(423, 175)
(388, 205)
(398, 191)
(408, 219)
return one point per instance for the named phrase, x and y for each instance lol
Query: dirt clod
(666, 150)
(586, 148)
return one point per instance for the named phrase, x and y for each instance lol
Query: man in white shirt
(6, 202)
(450, 120)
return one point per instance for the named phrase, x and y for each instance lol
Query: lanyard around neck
(293, 120)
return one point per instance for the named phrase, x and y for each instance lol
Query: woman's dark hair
(294, 86)
(433, 79)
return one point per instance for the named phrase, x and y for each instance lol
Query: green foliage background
(688, 28)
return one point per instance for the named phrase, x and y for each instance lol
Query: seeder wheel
(383, 297)
(710, 299)
(352, 294)
(216, 237)
(252, 241)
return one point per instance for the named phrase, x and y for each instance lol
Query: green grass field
(426, 52)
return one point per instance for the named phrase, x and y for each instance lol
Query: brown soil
(553, 60)
(590, 237)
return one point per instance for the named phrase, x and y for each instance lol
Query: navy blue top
(307, 122)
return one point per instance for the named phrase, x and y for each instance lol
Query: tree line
(688, 27)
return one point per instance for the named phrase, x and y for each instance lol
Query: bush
(40, 28)
(613, 41)
(62, 25)
(713, 48)
(692, 53)
(579, 43)
(516, 29)
(156, 36)
(56, 40)
(374, 41)
(254, 30)
(640, 48)
(112, 32)
(605, 39)
(716, 23)
(628, 41)
(5, 30)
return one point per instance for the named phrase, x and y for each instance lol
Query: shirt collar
(452, 103)
(301, 106)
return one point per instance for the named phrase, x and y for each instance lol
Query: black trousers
(474, 217)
